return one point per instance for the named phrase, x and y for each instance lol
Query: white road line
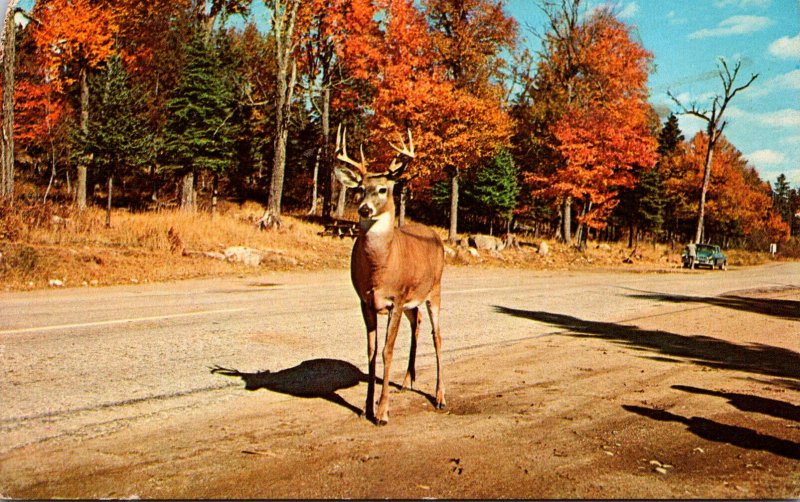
(117, 321)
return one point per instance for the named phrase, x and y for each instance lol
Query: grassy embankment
(44, 244)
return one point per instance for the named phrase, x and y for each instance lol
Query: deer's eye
(383, 190)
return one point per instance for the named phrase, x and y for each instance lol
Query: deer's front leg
(371, 322)
(391, 334)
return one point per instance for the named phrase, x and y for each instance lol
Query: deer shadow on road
(315, 378)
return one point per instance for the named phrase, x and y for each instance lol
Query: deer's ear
(348, 177)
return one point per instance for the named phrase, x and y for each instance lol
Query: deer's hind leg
(433, 312)
(415, 319)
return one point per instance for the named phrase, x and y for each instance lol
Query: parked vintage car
(706, 255)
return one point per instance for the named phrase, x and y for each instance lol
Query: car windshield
(705, 248)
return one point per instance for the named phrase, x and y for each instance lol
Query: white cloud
(629, 11)
(786, 47)
(782, 118)
(769, 157)
(742, 4)
(787, 81)
(790, 80)
(673, 18)
(734, 25)
(788, 117)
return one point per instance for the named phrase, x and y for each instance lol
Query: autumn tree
(470, 38)
(591, 86)
(42, 115)
(338, 50)
(75, 37)
(739, 208)
(714, 126)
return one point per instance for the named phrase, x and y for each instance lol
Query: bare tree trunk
(701, 212)
(108, 201)
(214, 194)
(283, 21)
(453, 233)
(82, 160)
(566, 220)
(50, 183)
(313, 209)
(342, 202)
(188, 196)
(8, 62)
(401, 218)
(330, 177)
(715, 126)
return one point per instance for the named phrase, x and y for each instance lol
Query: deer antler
(341, 152)
(404, 151)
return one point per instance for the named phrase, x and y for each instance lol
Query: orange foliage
(73, 31)
(738, 200)
(39, 110)
(602, 129)
(452, 126)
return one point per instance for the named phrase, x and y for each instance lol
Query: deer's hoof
(441, 406)
(381, 423)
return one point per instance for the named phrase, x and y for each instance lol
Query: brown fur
(394, 270)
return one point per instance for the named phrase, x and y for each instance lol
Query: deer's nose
(364, 211)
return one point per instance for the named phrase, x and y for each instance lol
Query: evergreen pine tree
(495, 187)
(118, 138)
(670, 136)
(641, 207)
(781, 198)
(198, 135)
(669, 140)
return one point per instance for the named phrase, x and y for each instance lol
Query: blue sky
(688, 36)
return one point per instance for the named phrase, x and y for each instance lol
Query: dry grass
(41, 243)
(78, 249)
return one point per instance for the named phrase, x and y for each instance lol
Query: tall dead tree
(8, 57)
(714, 126)
(284, 15)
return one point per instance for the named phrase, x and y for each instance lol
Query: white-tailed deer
(394, 270)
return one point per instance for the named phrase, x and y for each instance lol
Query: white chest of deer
(394, 270)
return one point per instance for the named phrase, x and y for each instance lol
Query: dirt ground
(701, 402)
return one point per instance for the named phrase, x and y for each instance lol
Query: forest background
(137, 106)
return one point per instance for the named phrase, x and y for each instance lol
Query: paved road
(77, 363)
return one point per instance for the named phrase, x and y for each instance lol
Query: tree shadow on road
(315, 378)
(749, 403)
(784, 309)
(702, 350)
(722, 433)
